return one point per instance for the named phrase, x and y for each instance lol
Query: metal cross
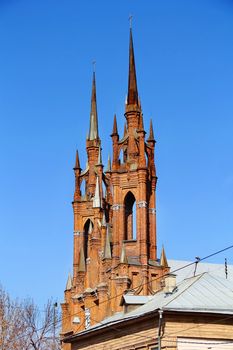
(130, 21)
(94, 63)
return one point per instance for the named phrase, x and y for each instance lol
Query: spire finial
(69, 282)
(109, 164)
(130, 21)
(151, 133)
(94, 65)
(77, 162)
(163, 258)
(93, 131)
(114, 130)
(132, 82)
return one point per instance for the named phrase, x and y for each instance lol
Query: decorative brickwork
(115, 248)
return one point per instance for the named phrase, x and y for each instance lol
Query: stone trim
(116, 207)
(142, 204)
(152, 211)
(77, 233)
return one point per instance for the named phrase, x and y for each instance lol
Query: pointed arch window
(83, 187)
(88, 225)
(130, 217)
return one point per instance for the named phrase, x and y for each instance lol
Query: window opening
(130, 217)
(85, 238)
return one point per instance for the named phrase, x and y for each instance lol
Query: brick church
(115, 247)
(121, 296)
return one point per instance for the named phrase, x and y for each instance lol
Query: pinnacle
(163, 258)
(151, 134)
(132, 82)
(93, 131)
(77, 162)
(114, 130)
(69, 282)
(109, 168)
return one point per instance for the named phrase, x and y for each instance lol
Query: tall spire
(132, 83)
(93, 131)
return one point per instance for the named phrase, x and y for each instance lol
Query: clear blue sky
(184, 59)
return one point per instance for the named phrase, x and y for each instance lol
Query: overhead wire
(142, 284)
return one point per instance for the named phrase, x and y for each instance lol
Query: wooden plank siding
(142, 332)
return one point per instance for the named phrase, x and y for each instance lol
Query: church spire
(132, 82)
(93, 131)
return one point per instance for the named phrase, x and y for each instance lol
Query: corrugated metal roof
(207, 292)
(213, 269)
(202, 293)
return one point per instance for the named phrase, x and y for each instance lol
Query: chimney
(169, 283)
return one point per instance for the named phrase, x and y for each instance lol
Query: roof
(201, 293)
(213, 269)
(207, 292)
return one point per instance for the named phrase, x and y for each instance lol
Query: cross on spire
(130, 21)
(94, 65)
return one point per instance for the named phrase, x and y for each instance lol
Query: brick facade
(115, 249)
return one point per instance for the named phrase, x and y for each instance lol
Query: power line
(121, 294)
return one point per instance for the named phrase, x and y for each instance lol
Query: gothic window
(130, 217)
(87, 227)
(121, 156)
(83, 187)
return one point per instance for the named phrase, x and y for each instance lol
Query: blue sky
(184, 56)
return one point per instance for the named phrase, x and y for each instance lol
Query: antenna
(196, 262)
(226, 270)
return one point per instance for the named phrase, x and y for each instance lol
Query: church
(121, 294)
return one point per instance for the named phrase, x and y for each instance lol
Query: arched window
(121, 156)
(87, 227)
(130, 217)
(83, 187)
